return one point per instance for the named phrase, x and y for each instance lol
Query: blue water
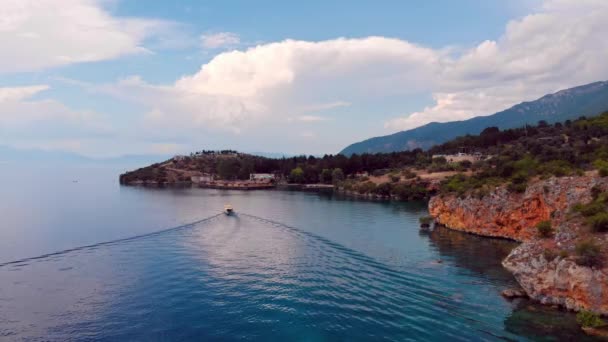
(290, 266)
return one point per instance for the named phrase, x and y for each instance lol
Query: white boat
(228, 210)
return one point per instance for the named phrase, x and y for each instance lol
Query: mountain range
(586, 100)
(14, 155)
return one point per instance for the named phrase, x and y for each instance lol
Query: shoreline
(546, 268)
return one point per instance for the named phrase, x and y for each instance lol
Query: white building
(261, 176)
(205, 178)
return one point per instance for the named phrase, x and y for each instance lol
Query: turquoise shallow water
(289, 266)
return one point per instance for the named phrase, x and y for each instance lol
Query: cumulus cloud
(237, 90)
(295, 82)
(38, 34)
(219, 40)
(561, 46)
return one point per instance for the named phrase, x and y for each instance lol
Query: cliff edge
(553, 269)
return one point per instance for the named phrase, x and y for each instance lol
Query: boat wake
(111, 242)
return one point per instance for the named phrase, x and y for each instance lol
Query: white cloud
(284, 83)
(24, 119)
(38, 34)
(220, 40)
(311, 118)
(238, 90)
(561, 46)
(8, 94)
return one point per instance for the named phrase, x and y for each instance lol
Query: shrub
(589, 319)
(465, 164)
(602, 167)
(395, 178)
(564, 254)
(544, 229)
(599, 222)
(367, 187)
(549, 254)
(408, 174)
(589, 253)
(589, 209)
(383, 189)
(517, 187)
(425, 221)
(595, 192)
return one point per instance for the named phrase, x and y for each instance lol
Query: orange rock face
(511, 215)
(559, 281)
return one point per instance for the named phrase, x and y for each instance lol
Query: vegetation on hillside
(510, 157)
(518, 155)
(588, 99)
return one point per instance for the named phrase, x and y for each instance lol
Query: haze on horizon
(112, 77)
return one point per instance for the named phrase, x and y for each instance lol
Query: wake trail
(416, 285)
(111, 242)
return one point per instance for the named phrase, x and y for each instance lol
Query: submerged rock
(514, 293)
(597, 332)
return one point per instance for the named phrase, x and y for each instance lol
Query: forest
(511, 156)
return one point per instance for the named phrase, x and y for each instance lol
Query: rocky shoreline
(545, 275)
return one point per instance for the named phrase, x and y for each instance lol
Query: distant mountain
(588, 100)
(14, 155)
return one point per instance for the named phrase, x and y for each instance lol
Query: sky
(106, 78)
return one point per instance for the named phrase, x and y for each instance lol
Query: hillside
(495, 157)
(566, 104)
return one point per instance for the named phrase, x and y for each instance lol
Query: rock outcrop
(513, 215)
(559, 281)
(551, 278)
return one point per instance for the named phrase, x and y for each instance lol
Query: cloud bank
(39, 34)
(262, 90)
(560, 46)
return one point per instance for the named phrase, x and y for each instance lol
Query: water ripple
(235, 278)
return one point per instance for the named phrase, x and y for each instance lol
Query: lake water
(289, 266)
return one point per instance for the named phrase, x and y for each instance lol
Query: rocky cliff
(546, 268)
(513, 215)
(559, 281)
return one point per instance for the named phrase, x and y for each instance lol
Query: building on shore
(261, 176)
(204, 178)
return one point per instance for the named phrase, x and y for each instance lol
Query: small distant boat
(228, 210)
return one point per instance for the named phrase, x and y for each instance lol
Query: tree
(297, 175)
(228, 168)
(245, 169)
(325, 176)
(337, 175)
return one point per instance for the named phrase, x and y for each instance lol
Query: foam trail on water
(111, 242)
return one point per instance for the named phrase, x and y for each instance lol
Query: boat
(228, 210)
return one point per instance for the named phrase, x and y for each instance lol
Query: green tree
(337, 175)
(246, 168)
(325, 176)
(296, 175)
(228, 168)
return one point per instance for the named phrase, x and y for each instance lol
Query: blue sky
(111, 77)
